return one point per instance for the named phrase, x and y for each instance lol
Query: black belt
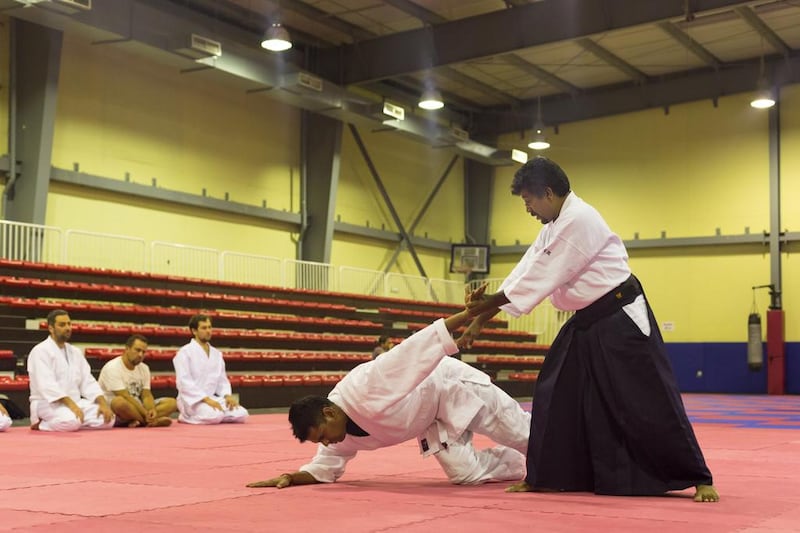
(609, 303)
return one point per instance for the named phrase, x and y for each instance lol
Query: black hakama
(607, 413)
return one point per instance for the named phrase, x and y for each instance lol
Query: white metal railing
(20, 241)
(362, 281)
(32, 242)
(248, 268)
(182, 260)
(85, 248)
(309, 275)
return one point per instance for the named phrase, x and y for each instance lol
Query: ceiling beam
(539, 73)
(500, 32)
(690, 44)
(755, 22)
(701, 84)
(612, 59)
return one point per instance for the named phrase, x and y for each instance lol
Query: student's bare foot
(706, 493)
(160, 422)
(134, 424)
(522, 486)
(35, 427)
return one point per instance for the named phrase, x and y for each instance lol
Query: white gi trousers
(56, 416)
(203, 414)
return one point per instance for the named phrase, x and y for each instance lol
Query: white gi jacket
(198, 375)
(54, 376)
(399, 396)
(576, 259)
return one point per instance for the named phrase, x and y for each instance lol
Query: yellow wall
(4, 72)
(687, 173)
(118, 113)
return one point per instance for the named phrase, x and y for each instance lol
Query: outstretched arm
(286, 480)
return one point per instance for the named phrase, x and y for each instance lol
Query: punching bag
(755, 349)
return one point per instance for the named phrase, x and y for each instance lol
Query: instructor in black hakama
(607, 413)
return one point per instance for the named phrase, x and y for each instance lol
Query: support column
(776, 334)
(35, 64)
(322, 155)
(478, 183)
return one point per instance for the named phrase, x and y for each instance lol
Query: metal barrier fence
(182, 260)
(85, 248)
(32, 242)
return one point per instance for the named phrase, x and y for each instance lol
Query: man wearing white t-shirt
(125, 380)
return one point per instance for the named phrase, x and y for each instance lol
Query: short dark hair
(537, 175)
(306, 413)
(194, 322)
(52, 315)
(135, 337)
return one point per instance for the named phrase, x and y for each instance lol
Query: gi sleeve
(329, 463)
(89, 387)
(547, 267)
(191, 392)
(42, 376)
(223, 387)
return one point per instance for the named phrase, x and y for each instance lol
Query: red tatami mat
(192, 479)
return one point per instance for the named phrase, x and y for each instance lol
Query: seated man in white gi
(5, 420)
(204, 392)
(64, 394)
(126, 382)
(413, 391)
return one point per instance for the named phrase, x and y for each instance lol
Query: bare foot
(522, 486)
(706, 493)
(35, 427)
(160, 422)
(134, 424)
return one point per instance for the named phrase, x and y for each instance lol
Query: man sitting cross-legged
(413, 391)
(126, 383)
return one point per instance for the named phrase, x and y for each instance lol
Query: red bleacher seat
(273, 380)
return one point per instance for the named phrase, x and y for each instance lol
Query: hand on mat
(279, 482)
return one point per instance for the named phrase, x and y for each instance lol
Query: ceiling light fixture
(431, 100)
(276, 39)
(539, 141)
(764, 98)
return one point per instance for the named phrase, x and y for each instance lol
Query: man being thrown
(413, 391)
(607, 416)
(126, 382)
(64, 394)
(204, 392)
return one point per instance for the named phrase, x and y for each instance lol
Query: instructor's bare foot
(706, 493)
(522, 486)
(160, 422)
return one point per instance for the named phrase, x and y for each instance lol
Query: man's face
(543, 208)
(135, 353)
(332, 430)
(61, 330)
(203, 331)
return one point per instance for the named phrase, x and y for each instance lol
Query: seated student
(413, 391)
(126, 383)
(204, 392)
(5, 420)
(64, 394)
(383, 345)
